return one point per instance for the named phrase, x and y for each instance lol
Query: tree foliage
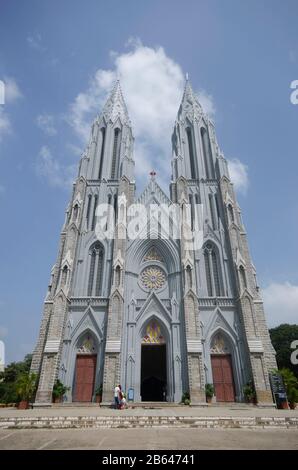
(9, 378)
(282, 336)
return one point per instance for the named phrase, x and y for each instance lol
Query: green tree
(9, 377)
(291, 384)
(282, 336)
(26, 385)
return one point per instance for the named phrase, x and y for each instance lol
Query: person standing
(116, 396)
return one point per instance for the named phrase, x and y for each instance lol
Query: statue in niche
(87, 346)
(219, 345)
(153, 334)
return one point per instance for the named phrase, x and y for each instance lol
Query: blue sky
(58, 60)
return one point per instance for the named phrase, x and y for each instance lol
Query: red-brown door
(85, 377)
(223, 377)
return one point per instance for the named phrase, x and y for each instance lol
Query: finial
(152, 174)
(186, 76)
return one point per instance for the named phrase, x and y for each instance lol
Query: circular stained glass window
(153, 278)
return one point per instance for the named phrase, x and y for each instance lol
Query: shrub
(59, 389)
(209, 390)
(185, 396)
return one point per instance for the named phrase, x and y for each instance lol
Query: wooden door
(85, 377)
(223, 377)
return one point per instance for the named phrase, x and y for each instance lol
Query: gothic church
(148, 313)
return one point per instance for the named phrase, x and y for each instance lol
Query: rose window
(153, 278)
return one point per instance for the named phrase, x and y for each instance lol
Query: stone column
(112, 363)
(250, 305)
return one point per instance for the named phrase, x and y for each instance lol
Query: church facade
(149, 312)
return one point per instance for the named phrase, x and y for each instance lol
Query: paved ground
(148, 439)
(235, 410)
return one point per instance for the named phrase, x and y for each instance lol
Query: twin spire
(116, 107)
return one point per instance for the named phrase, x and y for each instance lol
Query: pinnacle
(115, 105)
(189, 99)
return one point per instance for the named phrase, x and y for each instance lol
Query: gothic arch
(227, 336)
(102, 150)
(189, 130)
(168, 250)
(213, 269)
(153, 306)
(154, 317)
(96, 269)
(115, 152)
(149, 317)
(86, 326)
(207, 152)
(221, 342)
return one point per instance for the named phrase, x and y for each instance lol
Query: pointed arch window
(64, 276)
(98, 285)
(109, 212)
(115, 156)
(103, 138)
(91, 273)
(88, 210)
(117, 276)
(208, 273)
(188, 277)
(94, 212)
(192, 215)
(215, 274)
(96, 270)
(213, 271)
(209, 167)
(75, 212)
(217, 206)
(115, 208)
(212, 211)
(191, 153)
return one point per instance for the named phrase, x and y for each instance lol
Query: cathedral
(148, 312)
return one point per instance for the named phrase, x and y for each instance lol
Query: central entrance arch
(153, 364)
(222, 369)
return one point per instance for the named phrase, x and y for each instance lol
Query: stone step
(148, 405)
(126, 422)
(75, 404)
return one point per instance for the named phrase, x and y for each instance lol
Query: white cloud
(239, 175)
(56, 174)
(281, 303)
(152, 84)
(12, 90)
(207, 102)
(46, 123)
(12, 93)
(5, 124)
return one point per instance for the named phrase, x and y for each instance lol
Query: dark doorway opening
(153, 372)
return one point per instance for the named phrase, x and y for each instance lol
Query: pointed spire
(190, 101)
(115, 105)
